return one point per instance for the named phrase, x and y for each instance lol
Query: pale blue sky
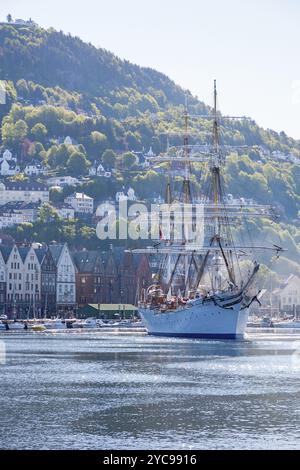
(250, 46)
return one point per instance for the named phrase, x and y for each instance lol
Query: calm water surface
(105, 391)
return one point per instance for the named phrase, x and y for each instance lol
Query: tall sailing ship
(213, 296)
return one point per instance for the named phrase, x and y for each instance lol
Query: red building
(109, 277)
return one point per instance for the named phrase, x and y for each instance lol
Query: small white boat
(288, 324)
(127, 324)
(55, 325)
(15, 325)
(88, 323)
(266, 322)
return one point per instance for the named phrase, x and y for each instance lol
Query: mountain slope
(52, 58)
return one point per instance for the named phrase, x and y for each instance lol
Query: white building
(21, 22)
(68, 141)
(81, 203)
(14, 213)
(34, 169)
(9, 168)
(65, 211)
(7, 155)
(3, 254)
(279, 155)
(15, 277)
(129, 196)
(294, 159)
(65, 280)
(150, 153)
(8, 164)
(289, 295)
(23, 277)
(32, 277)
(13, 191)
(63, 181)
(147, 158)
(9, 219)
(98, 170)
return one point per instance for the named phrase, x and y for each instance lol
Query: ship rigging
(208, 271)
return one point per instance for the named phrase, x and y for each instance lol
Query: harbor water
(99, 390)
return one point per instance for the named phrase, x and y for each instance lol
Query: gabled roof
(40, 253)
(23, 250)
(12, 165)
(5, 250)
(86, 260)
(290, 278)
(56, 252)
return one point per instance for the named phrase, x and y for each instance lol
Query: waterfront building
(289, 295)
(15, 295)
(48, 283)
(37, 280)
(65, 277)
(89, 269)
(109, 277)
(4, 253)
(32, 280)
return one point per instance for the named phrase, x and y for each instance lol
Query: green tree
(98, 142)
(39, 131)
(57, 156)
(109, 158)
(77, 164)
(21, 130)
(13, 134)
(128, 160)
(48, 214)
(10, 97)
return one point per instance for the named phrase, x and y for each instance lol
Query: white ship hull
(198, 321)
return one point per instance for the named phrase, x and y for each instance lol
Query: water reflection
(107, 391)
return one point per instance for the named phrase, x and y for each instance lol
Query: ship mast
(186, 188)
(219, 250)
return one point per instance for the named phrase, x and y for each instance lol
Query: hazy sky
(250, 46)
